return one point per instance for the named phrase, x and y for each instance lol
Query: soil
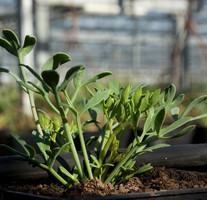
(157, 179)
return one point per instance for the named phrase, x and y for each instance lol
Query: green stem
(105, 148)
(51, 170)
(68, 101)
(73, 149)
(83, 147)
(30, 94)
(108, 138)
(69, 136)
(116, 170)
(58, 177)
(51, 104)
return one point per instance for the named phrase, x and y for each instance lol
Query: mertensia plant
(121, 108)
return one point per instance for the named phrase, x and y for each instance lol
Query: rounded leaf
(55, 61)
(51, 78)
(12, 38)
(71, 73)
(29, 43)
(7, 46)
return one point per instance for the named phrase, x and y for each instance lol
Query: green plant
(122, 108)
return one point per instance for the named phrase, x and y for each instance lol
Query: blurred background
(156, 42)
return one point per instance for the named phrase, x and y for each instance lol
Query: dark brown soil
(157, 179)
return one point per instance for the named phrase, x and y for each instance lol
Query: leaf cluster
(122, 108)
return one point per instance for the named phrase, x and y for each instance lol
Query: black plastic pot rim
(180, 156)
(192, 193)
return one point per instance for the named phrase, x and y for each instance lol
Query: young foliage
(122, 108)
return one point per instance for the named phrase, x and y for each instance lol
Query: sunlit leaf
(28, 45)
(9, 72)
(7, 46)
(193, 104)
(55, 61)
(182, 132)
(12, 38)
(96, 77)
(77, 80)
(43, 143)
(71, 73)
(96, 99)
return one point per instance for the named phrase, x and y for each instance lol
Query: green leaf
(119, 112)
(198, 117)
(39, 89)
(96, 99)
(12, 150)
(39, 78)
(55, 61)
(135, 116)
(96, 77)
(7, 46)
(44, 120)
(51, 77)
(90, 140)
(99, 86)
(78, 78)
(43, 142)
(28, 45)
(182, 132)
(114, 87)
(149, 120)
(12, 38)
(145, 102)
(95, 160)
(159, 120)
(71, 73)
(26, 87)
(10, 73)
(155, 97)
(33, 72)
(21, 142)
(170, 93)
(56, 124)
(72, 109)
(175, 125)
(31, 151)
(156, 146)
(109, 102)
(193, 104)
(137, 95)
(176, 102)
(144, 168)
(55, 153)
(126, 93)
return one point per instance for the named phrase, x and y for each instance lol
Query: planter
(191, 156)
